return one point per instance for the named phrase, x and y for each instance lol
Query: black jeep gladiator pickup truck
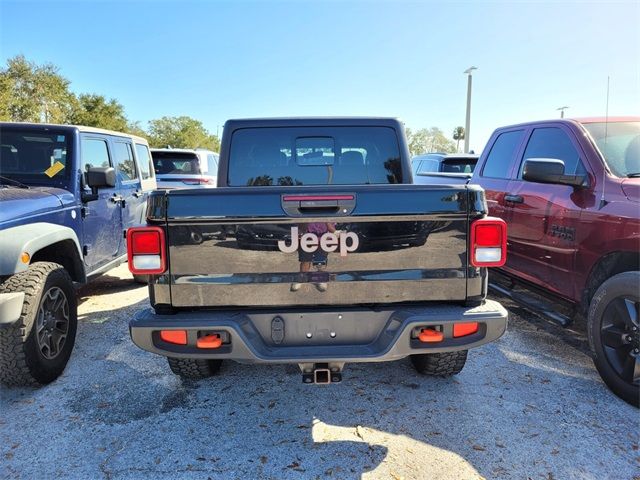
(316, 249)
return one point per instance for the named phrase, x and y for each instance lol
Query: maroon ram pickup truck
(569, 191)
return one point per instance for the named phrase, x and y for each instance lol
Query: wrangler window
(125, 165)
(144, 161)
(33, 155)
(95, 153)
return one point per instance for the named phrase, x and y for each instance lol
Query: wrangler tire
(36, 348)
(439, 364)
(194, 368)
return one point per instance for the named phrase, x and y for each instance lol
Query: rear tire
(35, 349)
(194, 368)
(142, 279)
(614, 334)
(439, 364)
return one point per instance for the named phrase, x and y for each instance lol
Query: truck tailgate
(244, 247)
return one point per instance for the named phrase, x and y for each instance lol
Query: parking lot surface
(528, 406)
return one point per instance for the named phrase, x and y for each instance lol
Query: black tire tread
(443, 364)
(194, 368)
(628, 392)
(14, 370)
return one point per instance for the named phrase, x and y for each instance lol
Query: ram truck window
(316, 249)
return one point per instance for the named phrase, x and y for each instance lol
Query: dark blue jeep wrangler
(67, 194)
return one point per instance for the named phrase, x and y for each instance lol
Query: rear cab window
(501, 157)
(176, 163)
(334, 155)
(457, 166)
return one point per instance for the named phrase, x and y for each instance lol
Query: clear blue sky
(219, 60)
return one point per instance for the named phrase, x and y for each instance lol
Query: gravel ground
(528, 406)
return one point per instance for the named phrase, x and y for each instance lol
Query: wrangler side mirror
(101, 177)
(551, 170)
(98, 177)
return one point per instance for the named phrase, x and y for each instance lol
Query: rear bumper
(10, 307)
(348, 335)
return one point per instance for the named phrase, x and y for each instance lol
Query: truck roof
(314, 121)
(81, 128)
(573, 121)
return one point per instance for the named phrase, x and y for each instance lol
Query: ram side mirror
(551, 170)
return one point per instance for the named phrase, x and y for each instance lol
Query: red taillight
(488, 242)
(145, 242)
(464, 329)
(146, 250)
(177, 337)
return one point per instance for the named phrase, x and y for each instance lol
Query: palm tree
(458, 134)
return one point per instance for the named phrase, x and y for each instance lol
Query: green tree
(134, 128)
(34, 93)
(427, 140)
(181, 132)
(95, 110)
(458, 134)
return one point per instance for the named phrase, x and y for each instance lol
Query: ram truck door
(543, 218)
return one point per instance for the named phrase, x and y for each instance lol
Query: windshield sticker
(54, 169)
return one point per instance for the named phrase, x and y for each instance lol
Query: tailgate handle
(324, 206)
(301, 205)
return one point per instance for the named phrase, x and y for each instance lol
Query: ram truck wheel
(439, 364)
(194, 368)
(35, 349)
(614, 334)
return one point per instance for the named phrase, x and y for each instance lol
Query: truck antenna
(603, 202)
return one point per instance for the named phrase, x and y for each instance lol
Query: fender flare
(31, 238)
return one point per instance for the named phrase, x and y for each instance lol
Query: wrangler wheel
(35, 349)
(439, 364)
(194, 368)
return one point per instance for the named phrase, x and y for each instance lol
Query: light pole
(467, 123)
(562, 109)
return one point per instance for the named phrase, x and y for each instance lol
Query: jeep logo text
(329, 242)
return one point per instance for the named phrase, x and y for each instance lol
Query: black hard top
(314, 121)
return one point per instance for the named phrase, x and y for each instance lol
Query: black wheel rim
(620, 334)
(52, 323)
